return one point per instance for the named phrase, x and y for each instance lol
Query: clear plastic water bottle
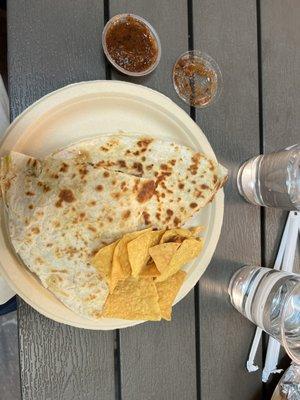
(272, 180)
(270, 299)
(288, 387)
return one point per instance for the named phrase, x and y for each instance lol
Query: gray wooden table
(200, 354)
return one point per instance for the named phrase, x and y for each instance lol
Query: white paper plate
(94, 108)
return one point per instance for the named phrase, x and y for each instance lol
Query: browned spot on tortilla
(193, 182)
(136, 185)
(149, 167)
(164, 167)
(173, 162)
(92, 203)
(181, 209)
(215, 179)
(123, 184)
(193, 205)
(39, 260)
(82, 215)
(56, 224)
(176, 221)
(181, 185)
(106, 174)
(165, 187)
(64, 167)
(203, 186)
(163, 194)
(83, 171)
(110, 219)
(97, 314)
(46, 188)
(146, 192)
(73, 176)
(116, 195)
(103, 148)
(35, 230)
(49, 244)
(54, 176)
(122, 163)
(211, 165)
(170, 212)
(29, 194)
(146, 217)
(30, 206)
(113, 181)
(92, 228)
(127, 152)
(138, 166)
(144, 143)
(162, 177)
(143, 158)
(126, 214)
(195, 163)
(93, 252)
(158, 215)
(99, 188)
(136, 153)
(65, 195)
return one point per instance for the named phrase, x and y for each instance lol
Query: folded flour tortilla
(62, 209)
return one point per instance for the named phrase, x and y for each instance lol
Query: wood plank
(281, 104)
(227, 31)
(9, 357)
(50, 44)
(158, 359)
(281, 87)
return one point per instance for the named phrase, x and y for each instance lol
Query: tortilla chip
(187, 251)
(167, 291)
(195, 230)
(162, 254)
(121, 268)
(138, 252)
(134, 299)
(176, 234)
(156, 237)
(150, 271)
(103, 260)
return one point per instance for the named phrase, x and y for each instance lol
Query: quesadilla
(63, 209)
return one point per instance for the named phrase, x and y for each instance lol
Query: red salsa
(131, 44)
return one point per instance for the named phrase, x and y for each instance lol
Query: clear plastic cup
(272, 180)
(153, 33)
(271, 300)
(197, 78)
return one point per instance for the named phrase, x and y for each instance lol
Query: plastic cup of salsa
(131, 44)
